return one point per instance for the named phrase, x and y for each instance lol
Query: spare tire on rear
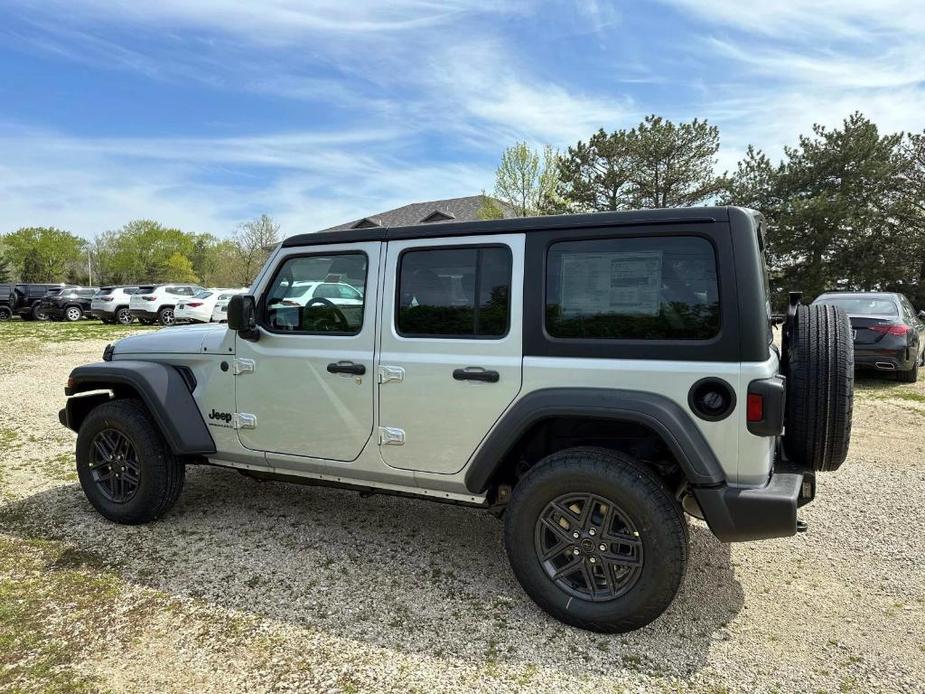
(820, 386)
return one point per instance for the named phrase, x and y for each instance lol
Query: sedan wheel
(73, 313)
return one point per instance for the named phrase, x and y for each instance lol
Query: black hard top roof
(682, 215)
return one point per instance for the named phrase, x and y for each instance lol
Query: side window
(293, 303)
(657, 288)
(454, 292)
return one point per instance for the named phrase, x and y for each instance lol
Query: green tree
(655, 164)
(44, 254)
(837, 209)
(489, 208)
(141, 251)
(254, 240)
(526, 180)
(180, 268)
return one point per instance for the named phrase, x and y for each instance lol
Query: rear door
(451, 347)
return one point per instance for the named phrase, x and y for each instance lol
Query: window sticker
(619, 283)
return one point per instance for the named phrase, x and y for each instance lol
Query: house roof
(433, 212)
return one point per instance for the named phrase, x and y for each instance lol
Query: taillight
(148, 298)
(754, 407)
(194, 304)
(104, 298)
(898, 329)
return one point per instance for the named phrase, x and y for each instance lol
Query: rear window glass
(146, 289)
(860, 305)
(454, 292)
(633, 289)
(202, 294)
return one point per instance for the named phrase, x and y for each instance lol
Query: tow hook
(802, 526)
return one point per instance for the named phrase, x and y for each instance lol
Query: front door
(451, 350)
(309, 381)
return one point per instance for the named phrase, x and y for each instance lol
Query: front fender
(161, 387)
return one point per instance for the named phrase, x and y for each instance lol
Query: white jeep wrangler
(590, 378)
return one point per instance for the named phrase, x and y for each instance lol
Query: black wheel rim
(588, 546)
(124, 316)
(114, 466)
(167, 317)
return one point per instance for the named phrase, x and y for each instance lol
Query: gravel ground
(270, 587)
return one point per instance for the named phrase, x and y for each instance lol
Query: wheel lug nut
(602, 547)
(575, 535)
(576, 551)
(592, 560)
(592, 532)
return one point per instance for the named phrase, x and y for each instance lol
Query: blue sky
(202, 114)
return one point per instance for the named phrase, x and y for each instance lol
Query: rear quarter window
(660, 288)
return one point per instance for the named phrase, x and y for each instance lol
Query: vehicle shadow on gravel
(425, 578)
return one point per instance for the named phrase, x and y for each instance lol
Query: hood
(185, 339)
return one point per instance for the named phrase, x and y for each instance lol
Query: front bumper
(740, 514)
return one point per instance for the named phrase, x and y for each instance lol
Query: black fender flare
(657, 412)
(161, 387)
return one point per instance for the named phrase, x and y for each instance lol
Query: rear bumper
(739, 514)
(143, 313)
(894, 359)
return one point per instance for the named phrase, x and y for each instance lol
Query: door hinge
(391, 373)
(242, 420)
(391, 436)
(244, 366)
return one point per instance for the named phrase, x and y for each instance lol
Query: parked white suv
(199, 308)
(589, 378)
(156, 302)
(220, 312)
(111, 304)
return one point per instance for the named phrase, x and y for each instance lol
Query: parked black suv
(26, 299)
(70, 304)
(6, 292)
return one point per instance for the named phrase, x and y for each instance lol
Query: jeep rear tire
(123, 316)
(820, 387)
(596, 540)
(165, 316)
(125, 467)
(38, 313)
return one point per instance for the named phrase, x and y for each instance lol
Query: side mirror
(242, 316)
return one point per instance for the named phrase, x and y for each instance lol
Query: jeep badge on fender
(592, 379)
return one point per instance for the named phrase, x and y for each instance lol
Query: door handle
(472, 373)
(346, 367)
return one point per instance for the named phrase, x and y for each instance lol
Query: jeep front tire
(125, 467)
(596, 540)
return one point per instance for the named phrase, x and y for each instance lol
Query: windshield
(861, 305)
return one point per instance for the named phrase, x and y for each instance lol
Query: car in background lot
(199, 308)
(70, 304)
(111, 304)
(220, 311)
(6, 293)
(342, 300)
(156, 302)
(26, 299)
(888, 334)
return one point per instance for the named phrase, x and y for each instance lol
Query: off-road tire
(73, 314)
(37, 313)
(123, 316)
(6, 313)
(642, 498)
(820, 387)
(165, 316)
(909, 375)
(161, 473)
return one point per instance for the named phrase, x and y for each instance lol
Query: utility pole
(89, 270)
